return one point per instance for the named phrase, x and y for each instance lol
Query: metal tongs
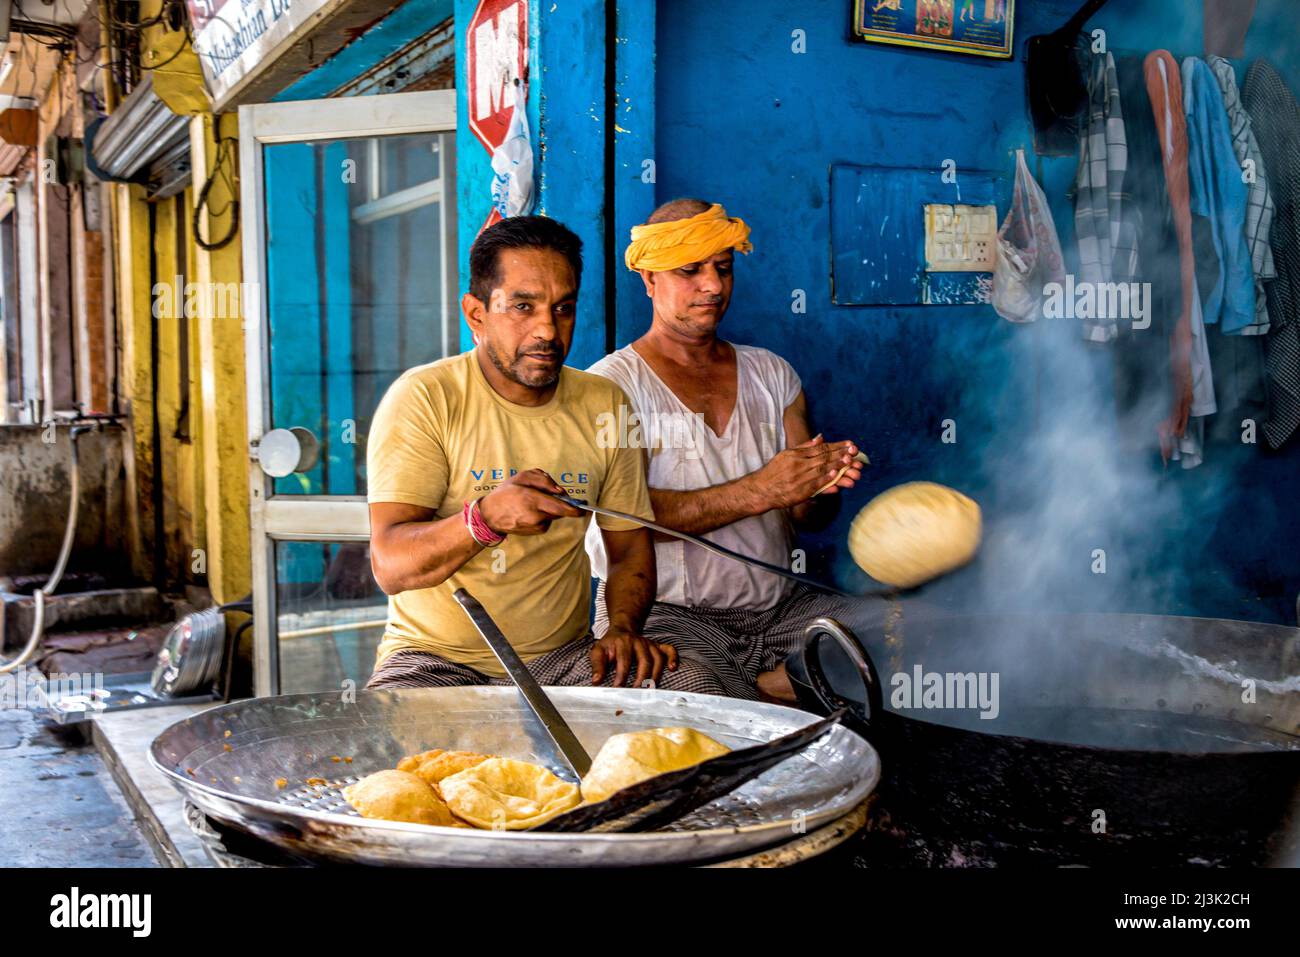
(658, 801)
(652, 803)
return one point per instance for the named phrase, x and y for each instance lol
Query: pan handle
(861, 660)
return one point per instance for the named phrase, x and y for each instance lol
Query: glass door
(349, 256)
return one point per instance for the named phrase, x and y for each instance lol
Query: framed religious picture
(981, 27)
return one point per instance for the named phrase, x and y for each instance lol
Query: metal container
(190, 658)
(228, 761)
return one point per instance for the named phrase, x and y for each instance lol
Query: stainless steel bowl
(191, 656)
(228, 760)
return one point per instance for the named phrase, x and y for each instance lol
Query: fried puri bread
(433, 766)
(503, 794)
(914, 532)
(636, 756)
(399, 796)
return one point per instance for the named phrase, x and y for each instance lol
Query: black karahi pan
(1118, 739)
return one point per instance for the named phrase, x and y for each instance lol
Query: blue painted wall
(636, 167)
(743, 120)
(714, 95)
(566, 119)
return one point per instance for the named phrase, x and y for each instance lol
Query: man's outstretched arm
(410, 547)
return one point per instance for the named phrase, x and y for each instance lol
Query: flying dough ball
(915, 532)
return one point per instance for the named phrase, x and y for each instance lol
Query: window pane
(361, 272)
(331, 615)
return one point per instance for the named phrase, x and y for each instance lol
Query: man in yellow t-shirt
(465, 456)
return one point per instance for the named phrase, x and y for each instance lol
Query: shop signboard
(981, 27)
(236, 39)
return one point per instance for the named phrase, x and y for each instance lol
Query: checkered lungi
(569, 665)
(736, 645)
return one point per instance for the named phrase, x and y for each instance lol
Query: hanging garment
(1056, 83)
(1107, 246)
(1171, 125)
(1141, 355)
(1240, 385)
(1219, 195)
(1259, 202)
(1028, 252)
(1275, 117)
(1237, 360)
(1205, 254)
(1189, 448)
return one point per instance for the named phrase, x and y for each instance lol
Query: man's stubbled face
(527, 326)
(692, 299)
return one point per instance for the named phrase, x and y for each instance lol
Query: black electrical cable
(68, 40)
(244, 604)
(218, 170)
(230, 653)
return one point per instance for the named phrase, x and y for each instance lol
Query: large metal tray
(227, 761)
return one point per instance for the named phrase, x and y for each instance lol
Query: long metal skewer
(706, 545)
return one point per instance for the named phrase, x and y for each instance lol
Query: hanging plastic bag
(1028, 251)
(512, 163)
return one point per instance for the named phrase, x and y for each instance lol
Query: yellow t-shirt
(443, 435)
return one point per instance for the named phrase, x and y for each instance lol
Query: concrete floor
(123, 740)
(59, 803)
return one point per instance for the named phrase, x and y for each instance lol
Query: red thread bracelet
(479, 530)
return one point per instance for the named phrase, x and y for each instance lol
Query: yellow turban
(671, 245)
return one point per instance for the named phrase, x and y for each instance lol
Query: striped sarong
(736, 645)
(569, 665)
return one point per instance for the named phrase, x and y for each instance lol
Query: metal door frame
(332, 518)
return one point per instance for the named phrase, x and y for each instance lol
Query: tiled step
(88, 609)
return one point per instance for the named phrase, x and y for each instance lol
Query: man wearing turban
(730, 453)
